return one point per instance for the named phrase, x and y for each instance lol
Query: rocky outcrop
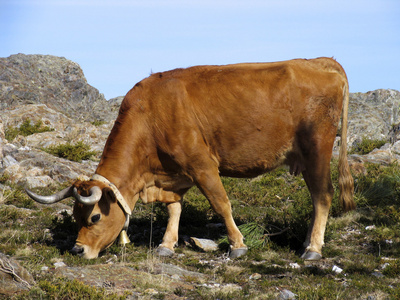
(375, 115)
(23, 162)
(54, 81)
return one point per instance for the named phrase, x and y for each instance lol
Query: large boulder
(374, 115)
(55, 81)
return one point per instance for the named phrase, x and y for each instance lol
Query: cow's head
(97, 212)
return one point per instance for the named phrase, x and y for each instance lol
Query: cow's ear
(109, 194)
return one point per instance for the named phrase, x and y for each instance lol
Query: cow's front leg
(170, 238)
(211, 186)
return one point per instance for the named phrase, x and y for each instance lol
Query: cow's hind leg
(318, 179)
(210, 184)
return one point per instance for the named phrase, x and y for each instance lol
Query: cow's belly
(254, 158)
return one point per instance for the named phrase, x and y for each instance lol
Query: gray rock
(9, 161)
(55, 81)
(286, 294)
(375, 114)
(13, 277)
(255, 276)
(37, 181)
(169, 269)
(204, 244)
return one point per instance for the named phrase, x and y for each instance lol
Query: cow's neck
(123, 161)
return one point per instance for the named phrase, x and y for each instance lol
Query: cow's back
(250, 115)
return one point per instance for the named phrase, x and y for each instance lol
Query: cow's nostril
(77, 250)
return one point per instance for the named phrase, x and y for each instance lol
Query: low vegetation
(98, 123)
(361, 255)
(25, 129)
(367, 145)
(72, 151)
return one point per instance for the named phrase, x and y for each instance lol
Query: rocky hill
(54, 90)
(54, 81)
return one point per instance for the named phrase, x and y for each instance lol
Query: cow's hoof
(311, 255)
(164, 251)
(235, 253)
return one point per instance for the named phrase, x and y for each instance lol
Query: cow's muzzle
(77, 250)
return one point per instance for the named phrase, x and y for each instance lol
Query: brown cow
(188, 127)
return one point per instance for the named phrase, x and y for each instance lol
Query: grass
(367, 145)
(75, 152)
(60, 288)
(26, 129)
(98, 123)
(273, 212)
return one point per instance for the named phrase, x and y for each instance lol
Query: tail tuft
(346, 181)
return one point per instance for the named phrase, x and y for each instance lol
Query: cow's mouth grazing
(77, 250)
(85, 251)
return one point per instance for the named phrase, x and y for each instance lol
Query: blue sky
(119, 42)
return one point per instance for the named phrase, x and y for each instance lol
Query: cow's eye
(95, 218)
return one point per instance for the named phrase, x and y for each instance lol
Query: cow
(187, 127)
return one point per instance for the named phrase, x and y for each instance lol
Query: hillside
(52, 93)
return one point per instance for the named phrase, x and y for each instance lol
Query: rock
(2, 135)
(9, 161)
(55, 81)
(286, 294)
(169, 269)
(34, 168)
(204, 244)
(374, 115)
(64, 128)
(377, 274)
(59, 264)
(37, 181)
(13, 278)
(294, 265)
(337, 269)
(115, 103)
(385, 265)
(255, 276)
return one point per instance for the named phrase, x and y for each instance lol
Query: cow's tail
(346, 182)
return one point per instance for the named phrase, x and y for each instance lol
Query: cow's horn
(65, 193)
(95, 195)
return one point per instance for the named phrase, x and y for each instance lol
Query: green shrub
(25, 129)
(98, 123)
(366, 146)
(75, 152)
(254, 235)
